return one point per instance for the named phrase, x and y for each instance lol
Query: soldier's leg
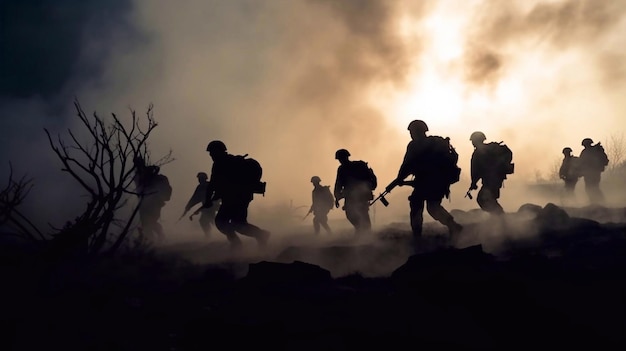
(444, 217)
(158, 229)
(352, 213)
(600, 194)
(570, 190)
(592, 185)
(316, 224)
(365, 223)
(205, 223)
(144, 220)
(323, 220)
(240, 221)
(496, 195)
(358, 214)
(416, 214)
(486, 199)
(570, 185)
(589, 188)
(224, 225)
(149, 216)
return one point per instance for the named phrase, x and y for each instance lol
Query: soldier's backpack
(572, 169)
(163, 187)
(360, 170)
(600, 158)
(501, 158)
(327, 200)
(249, 173)
(442, 159)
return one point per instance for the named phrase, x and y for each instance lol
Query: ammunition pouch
(259, 188)
(510, 168)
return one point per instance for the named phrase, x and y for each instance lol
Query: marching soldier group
(225, 195)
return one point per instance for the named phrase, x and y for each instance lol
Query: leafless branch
(11, 197)
(616, 150)
(103, 165)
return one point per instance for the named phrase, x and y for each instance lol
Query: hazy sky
(291, 81)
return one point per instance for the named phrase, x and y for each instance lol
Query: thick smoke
(508, 28)
(290, 82)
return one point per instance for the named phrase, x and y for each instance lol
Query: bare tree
(616, 150)
(553, 173)
(11, 197)
(103, 167)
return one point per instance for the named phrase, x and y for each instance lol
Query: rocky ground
(543, 277)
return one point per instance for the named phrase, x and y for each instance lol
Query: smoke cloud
(290, 82)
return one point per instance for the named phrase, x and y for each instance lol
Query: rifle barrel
(382, 199)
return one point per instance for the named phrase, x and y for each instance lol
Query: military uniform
(232, 216)
(569, 173)
(428, 187)
(320, 196)
(356, 194)
(152, 200)
(591, 171)
(492, 180)
(207, 214)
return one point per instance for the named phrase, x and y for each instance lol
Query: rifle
(181, 216)
(382, 199)
(388, 189)
(306, 215)
(195, 213)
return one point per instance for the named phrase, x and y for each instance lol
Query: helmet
(315, 179)
(202, 175)
(341, 153)
(587, 142)
(216, 145)
(567, 150)
(478, 136)
(418, 126)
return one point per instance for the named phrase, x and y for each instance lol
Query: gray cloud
(504, 27)
(289, 82)
(42, 41)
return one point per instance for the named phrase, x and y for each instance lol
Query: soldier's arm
(408, 163)
(475, 171)
(196, 198)
(562, 170)
(209, 194)
(213, 188)
(338, 190)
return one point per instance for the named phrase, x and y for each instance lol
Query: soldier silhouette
(593, 161)
(430, 185)
(322, 202)
(154, 191)
(354, 184)
(228, 180)
(202, 192)
(490, 163)
(569, 172)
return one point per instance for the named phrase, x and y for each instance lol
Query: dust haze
(290, 82)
